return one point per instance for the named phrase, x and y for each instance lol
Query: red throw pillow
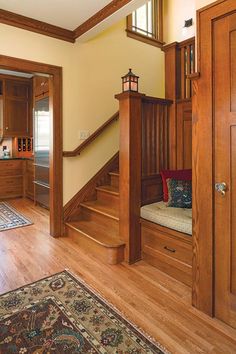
(183, 175)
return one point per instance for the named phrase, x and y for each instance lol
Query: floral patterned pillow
(180, 193)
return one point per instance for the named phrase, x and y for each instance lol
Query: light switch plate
(83, 134)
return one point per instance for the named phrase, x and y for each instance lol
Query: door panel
(224, 79)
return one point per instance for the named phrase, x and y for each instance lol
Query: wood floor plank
(158, 304)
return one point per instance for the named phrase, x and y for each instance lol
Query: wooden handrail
(161, 101)
(92, 137)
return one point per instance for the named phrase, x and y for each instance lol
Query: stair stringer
(88, 192)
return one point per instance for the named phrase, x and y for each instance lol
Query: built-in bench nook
(166, 239)
(179, 219)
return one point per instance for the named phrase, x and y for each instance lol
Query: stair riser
(115, 180)
(103, 220)
(108, 198)
(105, 254)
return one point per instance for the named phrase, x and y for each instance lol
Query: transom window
(145, 23)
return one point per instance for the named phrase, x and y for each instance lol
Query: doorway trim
(55, 157)
(202, 161)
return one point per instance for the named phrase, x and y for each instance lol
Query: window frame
(157, 41)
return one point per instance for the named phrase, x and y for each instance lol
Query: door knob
(221, 188)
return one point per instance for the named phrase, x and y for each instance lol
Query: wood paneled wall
(154, 149)
(184, 134)
(154, 138)
(143, 153)
(172, 91)
(179, 64)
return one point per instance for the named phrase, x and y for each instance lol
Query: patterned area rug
(10, 218)
(60, 314)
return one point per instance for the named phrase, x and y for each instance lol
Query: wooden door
(224, 95)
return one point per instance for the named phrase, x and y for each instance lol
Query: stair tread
(105, 237)
(109, 189)
(103, 208)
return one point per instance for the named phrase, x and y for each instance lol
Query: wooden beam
(30, 24)
(100, 16)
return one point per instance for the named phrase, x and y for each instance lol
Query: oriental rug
(62, 315)
(10, 218)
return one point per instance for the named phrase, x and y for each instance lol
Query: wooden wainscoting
(154, 137)
(155, 125)
(151, 189)
(184, 134)
(180, 65)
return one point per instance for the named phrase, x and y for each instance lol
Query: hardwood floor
(158, 304)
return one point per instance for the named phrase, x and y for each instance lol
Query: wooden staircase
(96, 228)
(93, 217)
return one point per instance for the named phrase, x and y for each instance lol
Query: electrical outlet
(84, 134)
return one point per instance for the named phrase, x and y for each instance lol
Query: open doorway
(43, 125)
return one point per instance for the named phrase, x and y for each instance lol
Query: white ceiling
(67, 14)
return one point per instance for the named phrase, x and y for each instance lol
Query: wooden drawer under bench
(168, 250)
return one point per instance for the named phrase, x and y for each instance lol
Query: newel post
(130, 161)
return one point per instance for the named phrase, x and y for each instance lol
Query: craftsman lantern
(130, 82)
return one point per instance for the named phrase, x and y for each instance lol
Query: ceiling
(67, 14)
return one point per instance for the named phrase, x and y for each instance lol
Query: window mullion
(147, 21)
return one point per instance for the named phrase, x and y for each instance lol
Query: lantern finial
(130, 82)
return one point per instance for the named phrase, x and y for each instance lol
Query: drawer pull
(172, 250)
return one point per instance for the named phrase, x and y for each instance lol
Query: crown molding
(30, 24)
(100, 16)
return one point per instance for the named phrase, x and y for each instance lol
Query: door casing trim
(55, 159)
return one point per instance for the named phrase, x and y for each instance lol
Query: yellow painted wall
(202, 3)
(91, 77)
(175, 13)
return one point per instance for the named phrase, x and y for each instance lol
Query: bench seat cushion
(178, 219)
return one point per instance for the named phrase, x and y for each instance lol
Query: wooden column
(172, 91)
(130, 161)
